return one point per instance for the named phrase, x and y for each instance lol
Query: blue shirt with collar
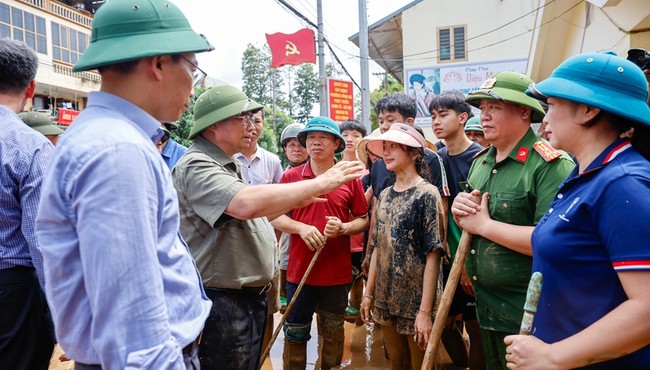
(24, 156)
(123, 288)
(172, 152)
(595, 228)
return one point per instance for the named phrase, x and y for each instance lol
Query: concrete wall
(420, 24)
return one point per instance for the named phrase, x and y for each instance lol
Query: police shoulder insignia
(547, 151)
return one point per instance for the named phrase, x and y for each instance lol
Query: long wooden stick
(267, 351)
(532, 299)
(445, 302)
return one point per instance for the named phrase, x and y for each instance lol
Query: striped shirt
(24, 156)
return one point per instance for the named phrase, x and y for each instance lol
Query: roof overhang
(385, 42)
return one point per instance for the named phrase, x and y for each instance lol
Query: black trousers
(26, 329)
(233, 333)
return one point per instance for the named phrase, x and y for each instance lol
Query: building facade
(436, 45)
(59, 33)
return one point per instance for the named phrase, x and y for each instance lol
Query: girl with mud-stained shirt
(404, 283)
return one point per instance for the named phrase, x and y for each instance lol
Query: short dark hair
(124, 68)
(451, 99)
(399, 102)
(18, 64)
(353, 125)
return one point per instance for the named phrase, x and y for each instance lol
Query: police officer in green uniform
(510, 186)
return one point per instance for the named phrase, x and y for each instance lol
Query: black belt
(16, 273)
(187, 350)
(256, 290)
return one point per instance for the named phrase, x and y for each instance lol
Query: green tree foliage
(256, 75)
(305, 88)
(261, 82)
(268, 139)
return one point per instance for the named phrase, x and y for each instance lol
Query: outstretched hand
(341, 173)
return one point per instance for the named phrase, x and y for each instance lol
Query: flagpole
(365, 78)
(321, 61)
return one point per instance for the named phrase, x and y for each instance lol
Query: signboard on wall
(66, 116)
(340, 96)
(423, 83)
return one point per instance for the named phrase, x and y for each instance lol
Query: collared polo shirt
(334, 264)
(521, 187)
(596, 228)
(230, 253)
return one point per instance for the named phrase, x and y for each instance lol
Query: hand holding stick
(445, 302)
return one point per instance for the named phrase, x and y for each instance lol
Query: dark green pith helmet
(125, 30)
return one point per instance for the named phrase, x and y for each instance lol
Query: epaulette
(481, 152)
(547, 151)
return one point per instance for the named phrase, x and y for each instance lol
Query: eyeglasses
(247, 119)
(198, 74)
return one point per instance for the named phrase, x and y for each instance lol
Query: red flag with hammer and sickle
(294, 49)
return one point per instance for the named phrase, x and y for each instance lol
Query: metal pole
(365, 78)
(321, 61)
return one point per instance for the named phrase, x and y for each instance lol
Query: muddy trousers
(294, 354)
(329, 302)
(330, 327)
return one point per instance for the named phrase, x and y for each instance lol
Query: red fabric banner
(294, 49)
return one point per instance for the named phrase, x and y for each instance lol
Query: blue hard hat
(601, 80)
(322, 124)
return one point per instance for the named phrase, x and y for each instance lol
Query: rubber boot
(331, 329)
(294, 354)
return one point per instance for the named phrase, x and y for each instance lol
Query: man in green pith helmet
(123, 288)
(326, 226)
(42, 123)
(226, 224)
(474, 132)
(515, 179)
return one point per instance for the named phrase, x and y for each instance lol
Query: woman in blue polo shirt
(592, 246)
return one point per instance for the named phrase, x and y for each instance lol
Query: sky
(231, 25)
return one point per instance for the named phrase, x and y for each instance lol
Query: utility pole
(365, 78)
(384, 79)
(321, 61)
